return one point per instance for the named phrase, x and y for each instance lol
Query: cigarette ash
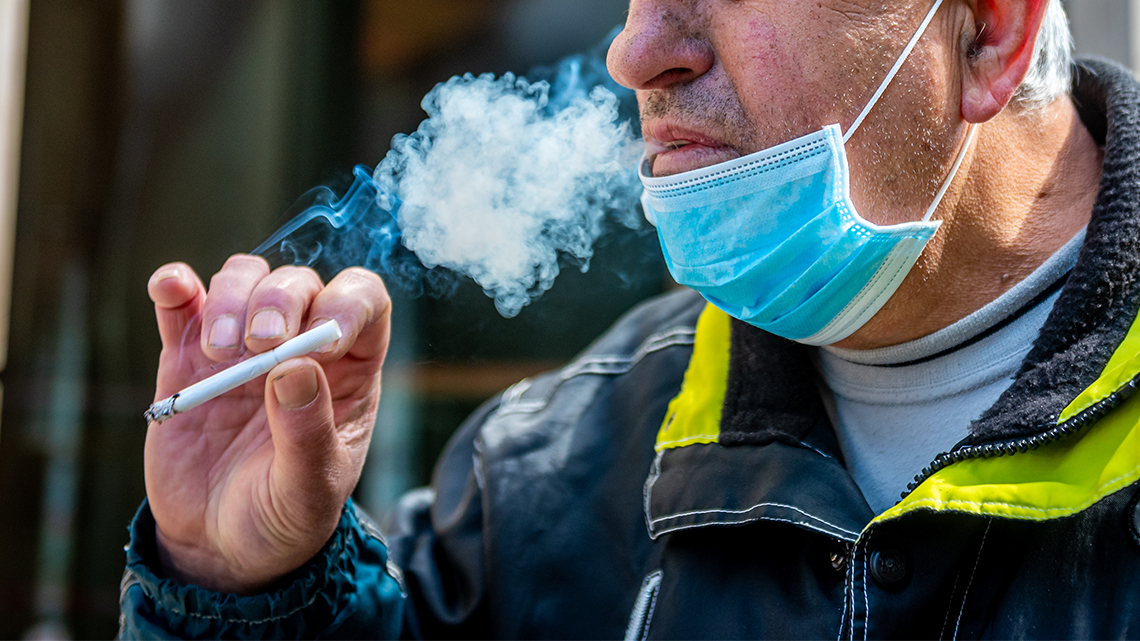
(505, 182)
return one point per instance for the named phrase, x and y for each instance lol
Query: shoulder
(637, 365)
(656, 325)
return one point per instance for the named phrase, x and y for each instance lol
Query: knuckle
(294, 276)
(230, 283)
(307, 271)
(362, 283)
(226, 293)
(287, 291)
(364, 275)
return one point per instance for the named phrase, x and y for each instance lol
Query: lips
(674, 148)
(654, 147)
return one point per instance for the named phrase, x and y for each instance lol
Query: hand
(250, 486)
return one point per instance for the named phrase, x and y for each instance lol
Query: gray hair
(1050, 70)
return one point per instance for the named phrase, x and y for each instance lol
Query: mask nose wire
(894, 70)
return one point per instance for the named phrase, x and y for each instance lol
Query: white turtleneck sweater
(896, 408)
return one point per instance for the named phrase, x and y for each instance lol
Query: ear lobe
(998, 55)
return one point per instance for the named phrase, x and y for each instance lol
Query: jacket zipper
(1024, 444)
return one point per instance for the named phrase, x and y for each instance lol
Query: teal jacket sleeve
(425, 579)
(349, 590)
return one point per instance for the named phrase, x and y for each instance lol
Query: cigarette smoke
(505, 182)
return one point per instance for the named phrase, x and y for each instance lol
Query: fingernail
(331, 347)
(171, 273)
(268, 323)
(225, 332)
(296, 389)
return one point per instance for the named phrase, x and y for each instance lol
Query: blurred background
(135, 132)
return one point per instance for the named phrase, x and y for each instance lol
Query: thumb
(306, 446)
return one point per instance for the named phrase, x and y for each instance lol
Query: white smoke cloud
(500, 182)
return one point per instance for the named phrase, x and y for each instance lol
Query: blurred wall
(1108, 28)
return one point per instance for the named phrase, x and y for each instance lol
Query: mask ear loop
(971, 133)
(894, 70)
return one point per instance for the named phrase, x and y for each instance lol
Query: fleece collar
(1099, 302)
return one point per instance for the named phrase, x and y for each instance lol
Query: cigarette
(242, 373)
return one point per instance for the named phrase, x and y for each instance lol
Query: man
(946, 290)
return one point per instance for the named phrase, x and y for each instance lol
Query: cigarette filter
(242, 373)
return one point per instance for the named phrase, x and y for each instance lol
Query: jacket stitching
(655, 473)
(687, 440)
(851, 625)
(758, 505)
(638, 621)
(691, 440)
(652, 607)
(656, 342)
(851, 590)
(972, 573)
(846, 598)
(775, 519)
(650, 522)
(866, 603)
(949, 606)
(647, 490)
(600, 365)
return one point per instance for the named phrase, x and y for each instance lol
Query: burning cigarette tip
(161, 410)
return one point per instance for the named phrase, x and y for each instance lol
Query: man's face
(717, 79)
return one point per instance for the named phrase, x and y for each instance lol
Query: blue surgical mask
(774, 240)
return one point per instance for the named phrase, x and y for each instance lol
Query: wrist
(308, 602)
(190, 565)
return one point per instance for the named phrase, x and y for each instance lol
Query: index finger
(178, 295)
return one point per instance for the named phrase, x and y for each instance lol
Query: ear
(999, 53)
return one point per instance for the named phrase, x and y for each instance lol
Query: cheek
(767, 73)
(765, 58)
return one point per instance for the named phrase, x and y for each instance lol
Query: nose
(660, 46)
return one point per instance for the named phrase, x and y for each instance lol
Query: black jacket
(624, 496)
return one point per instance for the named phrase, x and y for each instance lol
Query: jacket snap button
(1134, 518)
(838, 555)
(838, 561)
(888, 567)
